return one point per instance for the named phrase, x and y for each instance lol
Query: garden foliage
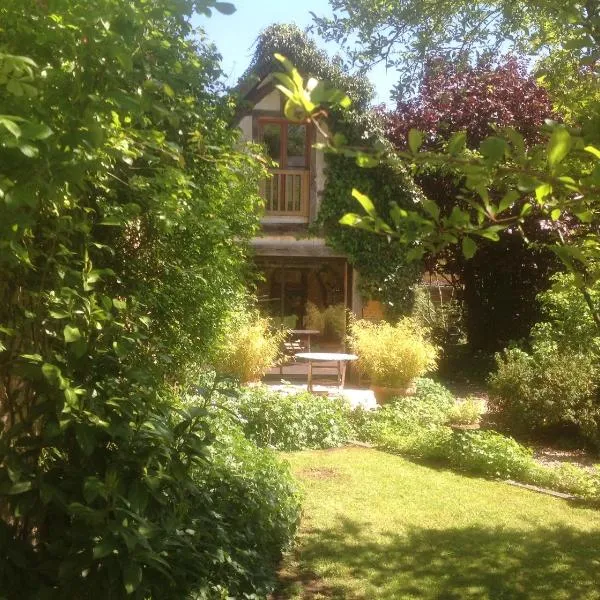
(291, 421)
(555, 382)
(125, 207)
(392, 355)
(247, 346)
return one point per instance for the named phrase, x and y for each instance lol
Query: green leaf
(541, 191)
(593, 150)
(493, 148)
(469, 247)
(555, 214)
(11, 126)
(365, 202)
(72, 334)
(457, 143)
(365, 161)
(132, 577)
(415, 140)
(508, 200)
(104, 548)
(119, 304)
(350, 219)
(29, 150)
(225, 8)
(13, 489)
(53, 375)
(558, 146)
(431, 208)
(15, 88)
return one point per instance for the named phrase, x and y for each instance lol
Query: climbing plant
(384, 271)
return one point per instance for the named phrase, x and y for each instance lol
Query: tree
(498, 286)
(126, 203)
(405, 34)
(559, 177)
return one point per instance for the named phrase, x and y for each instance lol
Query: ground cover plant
(291, 421)
(378, 526)
(419, 426)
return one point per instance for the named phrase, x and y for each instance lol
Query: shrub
(466, 412)
(428, 407)
(248, 346)
(488, 453)
(546, 388)
(392, 355)
(292, 421)
(258, 508)
(414, 426)
(556, 382)
(443, 320)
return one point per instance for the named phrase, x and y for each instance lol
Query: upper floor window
(286, 143)
(286, 191)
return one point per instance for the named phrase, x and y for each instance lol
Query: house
(300, 271)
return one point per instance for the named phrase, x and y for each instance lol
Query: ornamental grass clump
(248, 348)
(392, 355)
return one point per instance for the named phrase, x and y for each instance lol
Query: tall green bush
(556, 382)
(125, 206)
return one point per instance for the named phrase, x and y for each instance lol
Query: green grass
(378, 526)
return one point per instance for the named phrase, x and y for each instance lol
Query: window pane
(271, 138)
(296, 146)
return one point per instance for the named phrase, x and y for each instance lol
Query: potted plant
(466, 414)
(392, 356)
(248, 347)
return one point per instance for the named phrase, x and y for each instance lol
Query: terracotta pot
(384, 394)
(469, 427)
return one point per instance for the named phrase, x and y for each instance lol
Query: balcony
(286, 193)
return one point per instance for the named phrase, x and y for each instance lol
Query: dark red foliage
(454, 98)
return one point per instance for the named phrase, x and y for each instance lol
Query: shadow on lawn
(472, 563)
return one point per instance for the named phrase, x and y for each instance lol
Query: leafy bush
(258, 509)
(443, 320)
(488, 453)
(428, 407)
(414, 426)
(392, 355)
(557, 382)
(248, 346)
(292, 421)
(124, 224)
(466, 412)
(546, 388)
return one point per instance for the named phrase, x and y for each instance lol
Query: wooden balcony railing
(286, 193)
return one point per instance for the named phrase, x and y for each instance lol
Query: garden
(141, 453)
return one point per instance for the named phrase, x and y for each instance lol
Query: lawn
(378, 526)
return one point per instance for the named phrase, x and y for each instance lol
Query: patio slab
(355, 396)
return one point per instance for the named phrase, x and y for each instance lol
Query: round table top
(326, 356)
(305, 331)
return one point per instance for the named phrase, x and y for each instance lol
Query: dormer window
(286, 192)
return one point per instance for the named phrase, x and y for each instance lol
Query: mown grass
(378, 526)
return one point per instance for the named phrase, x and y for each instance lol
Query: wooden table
(305, 333)
(291, 346)
(340, 359)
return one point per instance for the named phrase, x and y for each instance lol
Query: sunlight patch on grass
(378, 526)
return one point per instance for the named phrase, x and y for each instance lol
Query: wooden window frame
(284, 124)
